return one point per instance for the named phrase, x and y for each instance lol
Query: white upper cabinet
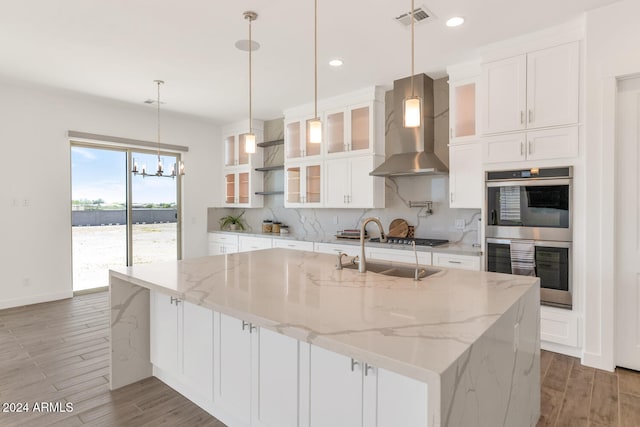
(504, 95)
(297, 144)
(465, 175)
(303, 184)
(539, 89)
(351, 130)
(349, 185)
(544, 144)
(240, 178)
(462, 110)
(553, 85)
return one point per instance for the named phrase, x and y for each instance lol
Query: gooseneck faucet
(362, 265)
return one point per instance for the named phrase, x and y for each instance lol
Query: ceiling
(116, 48)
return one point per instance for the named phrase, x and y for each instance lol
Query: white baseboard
(562, 349)
(594, 360)
(35, 299)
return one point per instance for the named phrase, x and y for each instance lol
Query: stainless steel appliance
(530, 204)
(552, 266)
(533, 205)
(408, 241)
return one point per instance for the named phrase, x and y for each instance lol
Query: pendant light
(315, 124)
(160, 167)
(412, 105)
(250, 138)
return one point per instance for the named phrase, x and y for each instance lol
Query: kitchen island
(280, 337)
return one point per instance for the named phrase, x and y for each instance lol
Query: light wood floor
(59, 352)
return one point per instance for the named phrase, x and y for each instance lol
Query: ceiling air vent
(420, 14)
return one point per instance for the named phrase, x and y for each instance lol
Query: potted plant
(232, 222)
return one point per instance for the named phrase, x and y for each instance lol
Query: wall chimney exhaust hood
(410, 151)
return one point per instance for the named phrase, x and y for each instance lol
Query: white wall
(612, 51)
(36, 240)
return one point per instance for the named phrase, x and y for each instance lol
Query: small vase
(234, 227)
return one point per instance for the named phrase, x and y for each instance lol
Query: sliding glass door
(120, 218)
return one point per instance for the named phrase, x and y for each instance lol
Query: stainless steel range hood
(410, 151)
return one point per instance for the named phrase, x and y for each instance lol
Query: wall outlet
(302, 219)
(336, 219)
(459, 224)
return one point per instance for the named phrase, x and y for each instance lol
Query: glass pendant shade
(250, 143)
(412, 112)
(315, 131)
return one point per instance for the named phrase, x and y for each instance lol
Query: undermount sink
(395, 270)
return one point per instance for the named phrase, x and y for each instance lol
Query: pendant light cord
(412, 55)
(159, 82)
(250, 81)
(315, 57)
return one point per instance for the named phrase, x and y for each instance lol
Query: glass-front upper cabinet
(303, 185)
(349, 130)
(297, 140)
(462, 106)
(360, 128)
(234, 150)
(335, 132)
(238, 190)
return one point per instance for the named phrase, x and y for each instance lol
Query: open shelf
(270, 143)
(268, 193)
(271, 168)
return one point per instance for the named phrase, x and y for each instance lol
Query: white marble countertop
(417, 329)
(451, 248)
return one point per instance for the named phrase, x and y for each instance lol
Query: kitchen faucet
(362, 264)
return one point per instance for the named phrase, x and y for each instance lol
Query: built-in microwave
(552, 265)
(530, 204)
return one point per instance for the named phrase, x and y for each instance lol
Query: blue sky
(101, 174)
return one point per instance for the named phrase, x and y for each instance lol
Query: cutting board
(398, 228)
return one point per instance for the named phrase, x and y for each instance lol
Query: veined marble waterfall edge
(129, 333)
(494, 366)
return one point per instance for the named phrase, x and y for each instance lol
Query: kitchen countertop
(418, 329)
(451, 247)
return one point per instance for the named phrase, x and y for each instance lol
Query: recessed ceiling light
(455, 21)
(336, 62)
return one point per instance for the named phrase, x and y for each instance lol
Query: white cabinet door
(362, 186)
(337, 183)
(277, 380)
(503, 95)
(335, 390)
(553, 86)
(335, 248)
(401, 401)
(233, 371)
(552, 143)
(164, 332)
(462, 109)
(504, 148)
(465, 176)
(197, 348)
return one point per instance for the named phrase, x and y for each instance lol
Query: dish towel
(523, 257)
(510, 204)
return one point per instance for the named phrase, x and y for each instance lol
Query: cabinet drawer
(399, 255)
(463, 262)
(231, 239)
(558, 326)
(293, 244)
(334, 248)
(246, 244)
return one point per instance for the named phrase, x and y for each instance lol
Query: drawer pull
(454, 262)
(354, 363)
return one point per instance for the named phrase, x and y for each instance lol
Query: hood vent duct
(410, 151)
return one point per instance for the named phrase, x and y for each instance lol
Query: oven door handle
(537, 243)
(529, 183)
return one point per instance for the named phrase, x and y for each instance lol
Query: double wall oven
(531, 208)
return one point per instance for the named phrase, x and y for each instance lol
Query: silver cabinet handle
(522, 148)
(354, 363)
(245, 324)
(530, 116)
(252, 328)
(451, 197)
(366, 369)
(521, 117)
(176, 300)
(344, 199)
(529, 145)
(454, 262)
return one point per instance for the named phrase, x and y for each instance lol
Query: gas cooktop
(407, 241)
